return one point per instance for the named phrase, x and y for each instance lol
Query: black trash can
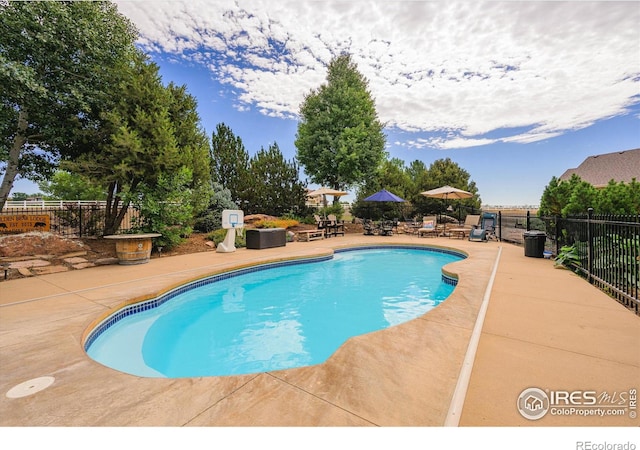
(534, 243)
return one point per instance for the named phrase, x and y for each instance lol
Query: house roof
(598, 170)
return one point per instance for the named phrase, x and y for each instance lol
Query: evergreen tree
(165, 207)
(211, 219)
(340, 141)
(149, 135)
(583, 196)
(554, 198)
(275, 187)
(619, 198)
(576, 196)
(192, 143)
(135, 143)
(229, 162)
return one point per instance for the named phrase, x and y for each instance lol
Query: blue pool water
(276, 318)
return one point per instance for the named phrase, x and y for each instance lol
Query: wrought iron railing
(608, 247)
(67, 218)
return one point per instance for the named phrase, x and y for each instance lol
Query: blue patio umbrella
(384, 196)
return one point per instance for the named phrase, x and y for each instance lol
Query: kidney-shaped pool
(272, 317)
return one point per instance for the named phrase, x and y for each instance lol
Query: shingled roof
(598, 170)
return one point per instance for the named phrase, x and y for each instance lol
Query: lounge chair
(488, 223)
(429, 226)
(486, 230)
(478, 235)
(470, 222)
(411, 226)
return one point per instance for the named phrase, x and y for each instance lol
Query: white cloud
(469, 67)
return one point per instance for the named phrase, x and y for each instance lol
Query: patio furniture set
(325, 228)
(381, 228)
(475, 227)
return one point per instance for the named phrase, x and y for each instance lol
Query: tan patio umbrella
(324, 191)
(446, 193)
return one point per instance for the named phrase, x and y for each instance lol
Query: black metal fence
(69, 219)
(607, 248)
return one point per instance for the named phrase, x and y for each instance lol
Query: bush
(211, 219)
(166, 208)
(277, 223)
(335, 209)
(218, 236)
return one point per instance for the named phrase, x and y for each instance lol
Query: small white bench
(310, 235)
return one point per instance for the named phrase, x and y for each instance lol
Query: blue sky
(514, 92)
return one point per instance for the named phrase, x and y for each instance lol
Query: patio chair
(478, 235)
(470, 222)
(429, 226)
(369, 227)
(322, 225)
(411, 226)
(486, 230)
(334, 226)
(386, 228)
(488, 223)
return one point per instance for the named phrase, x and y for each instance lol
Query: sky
(513, 92)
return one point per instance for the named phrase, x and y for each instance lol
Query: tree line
(84, 111)
(575, 196)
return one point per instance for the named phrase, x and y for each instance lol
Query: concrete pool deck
(544, 328)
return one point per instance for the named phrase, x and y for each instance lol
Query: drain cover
(30, 387)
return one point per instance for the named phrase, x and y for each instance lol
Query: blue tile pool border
(147, 305)
(447, 279)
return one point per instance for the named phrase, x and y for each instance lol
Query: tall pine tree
(229, 162)
(275, 188)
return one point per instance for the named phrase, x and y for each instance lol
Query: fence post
(558, 231)
(589, 245)
(80, 217)
(528, 220)
(499, 226)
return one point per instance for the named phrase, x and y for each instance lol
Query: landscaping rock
(50, 269)
(24, 272)
(105, 261)
(29, 263)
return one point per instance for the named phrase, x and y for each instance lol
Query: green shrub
(166, 208)
(277, 223)
(218, 236)
(211, 219)
(568, 257)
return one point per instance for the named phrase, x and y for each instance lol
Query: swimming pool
(268, 318)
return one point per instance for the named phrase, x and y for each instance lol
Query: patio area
(543, 328)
